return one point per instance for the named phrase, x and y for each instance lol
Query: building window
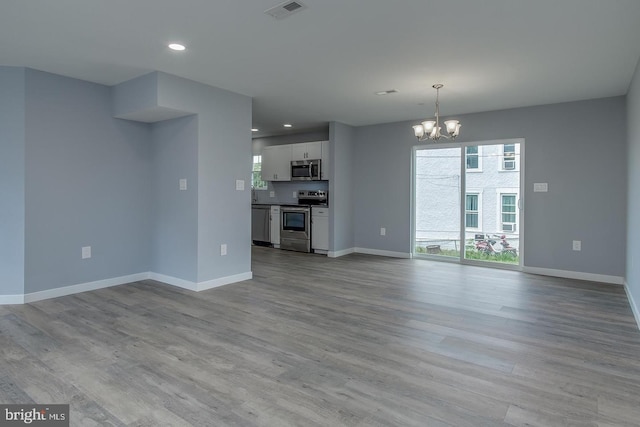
(509, 157)
(508, 212)
(256, 174)
(471, 211)
(473, 158)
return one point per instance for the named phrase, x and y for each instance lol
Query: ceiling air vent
(285, 9)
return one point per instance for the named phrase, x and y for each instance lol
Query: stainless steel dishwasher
(261, 224)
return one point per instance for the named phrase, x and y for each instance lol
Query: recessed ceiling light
(254, 129)
(287, 125)
(176, 46)
(387, 92)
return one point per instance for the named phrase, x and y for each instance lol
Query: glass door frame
(463, 185)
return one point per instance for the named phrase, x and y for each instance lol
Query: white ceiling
(325, 62)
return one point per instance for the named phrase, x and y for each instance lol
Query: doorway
(467, 202)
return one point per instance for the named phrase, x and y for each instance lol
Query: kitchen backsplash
(283, 192)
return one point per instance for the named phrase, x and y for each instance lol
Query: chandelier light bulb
(429, 125)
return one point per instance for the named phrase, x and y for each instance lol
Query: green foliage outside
(472, 253)
(256, 174)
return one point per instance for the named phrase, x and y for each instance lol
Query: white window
(473, 156)
(508, 212)
(509, 162)
(472, 211)
(256, 174)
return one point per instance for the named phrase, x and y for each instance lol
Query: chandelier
(430, 129)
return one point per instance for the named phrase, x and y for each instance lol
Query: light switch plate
(540, 187)
(383, 231)
(223, 249)
(86, 252)
(295, 194)
(240, 184)
(183, 184)
(272, 194)
(577, 245)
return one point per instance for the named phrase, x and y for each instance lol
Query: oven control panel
(312, 197)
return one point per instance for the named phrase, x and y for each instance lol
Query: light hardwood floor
(311, 341)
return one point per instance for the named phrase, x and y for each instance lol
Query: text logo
(34, 415)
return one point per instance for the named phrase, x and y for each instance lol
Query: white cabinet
(313, 151)
(324, 165)
(307, 151)
(276, 159)
(320, 229)
(276, 163)
(275, 226)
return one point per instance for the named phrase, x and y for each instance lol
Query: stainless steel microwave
(305, 170)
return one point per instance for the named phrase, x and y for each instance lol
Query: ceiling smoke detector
(285, 9)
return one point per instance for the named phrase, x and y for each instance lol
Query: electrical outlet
(540, 187)
(223, 249)
(86, 252)
(383, 231)
(240, 184)
(183, 184)
(295, 194)
(577, 245)
(272, 194)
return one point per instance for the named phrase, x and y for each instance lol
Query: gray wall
(579, 148)
(174, 243)
(135, 95)
(87, 184)
(341, 187)
(633, 218)
(212, 151)
(382, 177)
(12, 176)
(74, 176)
(224, 156)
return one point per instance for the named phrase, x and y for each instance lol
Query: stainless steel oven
(295, 231)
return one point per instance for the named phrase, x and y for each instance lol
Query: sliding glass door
(467, 202)
(437, 202)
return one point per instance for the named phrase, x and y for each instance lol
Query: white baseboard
(342, 252)
(615, 280)
(174, 281)
(83, 287)
(106, 283)
(201, 286)
(11, 299)
(379, 252)
(336, 254)
(210, 284)
(632, 303)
